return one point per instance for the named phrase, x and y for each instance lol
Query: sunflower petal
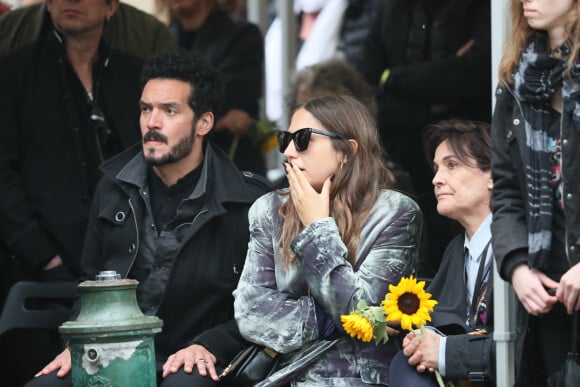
(406, 322)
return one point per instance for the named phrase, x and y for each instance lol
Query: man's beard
(177, 152)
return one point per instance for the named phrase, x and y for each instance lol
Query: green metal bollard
(111, 341)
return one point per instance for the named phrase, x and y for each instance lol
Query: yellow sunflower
(357, 326)
(408, 303)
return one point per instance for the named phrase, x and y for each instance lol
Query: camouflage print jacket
(276, 306)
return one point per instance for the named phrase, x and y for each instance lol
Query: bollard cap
(109, 311)
(108, 275)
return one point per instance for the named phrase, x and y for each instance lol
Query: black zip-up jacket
(509, 203)
(197, 305)
(49, 164)
(509, 227)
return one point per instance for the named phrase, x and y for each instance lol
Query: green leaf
(377, 313)
(380, 333)
(362, 304)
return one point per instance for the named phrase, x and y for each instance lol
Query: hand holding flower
(393, 328)
(422, 350)
(408, 304)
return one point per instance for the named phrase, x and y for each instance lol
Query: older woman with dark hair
(338, 235)
(461, 157)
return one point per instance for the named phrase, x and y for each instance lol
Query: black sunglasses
(301, 138)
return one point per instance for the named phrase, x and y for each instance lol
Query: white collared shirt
(476, 245)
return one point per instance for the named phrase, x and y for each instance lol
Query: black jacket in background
(356, 22)
(197, 306)
(419, 46)
(48, 169)
(236, 50)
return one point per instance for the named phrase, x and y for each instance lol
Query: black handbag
(569, 375)
(250, 366)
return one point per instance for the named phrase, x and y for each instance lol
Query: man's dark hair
(467, 139)
(207, 88)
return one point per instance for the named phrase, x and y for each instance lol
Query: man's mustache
(154, 135)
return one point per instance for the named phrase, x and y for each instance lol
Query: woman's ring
(201, 360)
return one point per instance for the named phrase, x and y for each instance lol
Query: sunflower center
(408, 303)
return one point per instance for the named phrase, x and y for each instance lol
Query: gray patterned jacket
(272, 303)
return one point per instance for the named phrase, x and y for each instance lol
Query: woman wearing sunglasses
(336, 236)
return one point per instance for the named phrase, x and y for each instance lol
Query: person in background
(317, 39)
(427, 61)
(182, 199)
(129, 30)
(329, 77)
(236, 49)
(463, 347)
(4, 8)
(237, 9)
(338, 235)
(68, 102)
(357, 20)
(24, 3)
(536, 195)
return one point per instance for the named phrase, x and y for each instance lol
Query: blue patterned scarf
(538, 76)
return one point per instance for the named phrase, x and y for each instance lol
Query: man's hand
(196, 355)
(422, 350)
(393, 328)
(463, 49)
(235, 121)
(530, 286)
(53, 263)
(61, 362)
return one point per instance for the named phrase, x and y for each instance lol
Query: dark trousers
(179, 379)
(401, 374)
(553, 334)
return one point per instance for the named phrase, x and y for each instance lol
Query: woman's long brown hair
(521, 34)
(357, 183)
